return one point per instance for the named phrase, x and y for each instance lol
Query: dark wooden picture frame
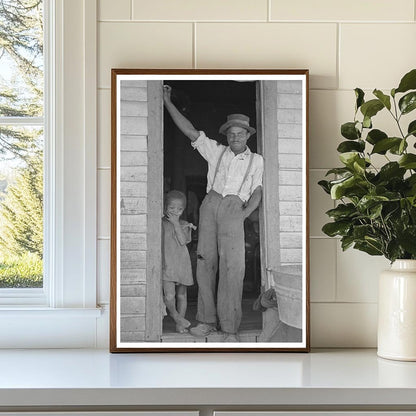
(279, 256)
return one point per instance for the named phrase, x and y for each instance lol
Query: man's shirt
(232, 169)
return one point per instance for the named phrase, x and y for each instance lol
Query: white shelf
(58, 378)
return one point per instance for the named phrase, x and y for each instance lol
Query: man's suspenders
(247, 172)
(250, 163)
(218, 167)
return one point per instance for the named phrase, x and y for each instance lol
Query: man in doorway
(234, 191)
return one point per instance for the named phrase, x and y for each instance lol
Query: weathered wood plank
(290, 240)
(289, 115)
(132, 305)
(133, 83)
(291, 146)
(133, 290)
(290, 177)
(132, 241)
(290, 131)
(133, 223)
(267, 101)
(133, 125)
(133, 109)
(133, 93)
(291, 255)
(132, 323)
(295, 269)
(154, 209)
(133, 189)
(131, 336)
(130, 259)
(133, 143)
(130, 206)
(290, 193)
(289, 87)
(290, 223)
(290, 161)
(289, 101)
(133, 159)
(132, 276)
(290, 208)
(133, 174)
(175, 337)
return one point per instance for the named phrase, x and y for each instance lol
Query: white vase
(397, 312)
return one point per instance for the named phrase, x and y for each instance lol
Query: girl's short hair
(171, 195)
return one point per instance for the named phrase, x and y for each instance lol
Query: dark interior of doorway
(206, 104)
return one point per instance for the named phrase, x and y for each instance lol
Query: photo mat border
(178, 74)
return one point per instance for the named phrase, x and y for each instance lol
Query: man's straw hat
(237, 120)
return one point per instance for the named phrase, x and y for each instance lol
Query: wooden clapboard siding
(289, 129)
(281, 221)
(133, 209)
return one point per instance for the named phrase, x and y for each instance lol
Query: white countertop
(96, 377)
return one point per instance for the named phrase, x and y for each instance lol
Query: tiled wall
(345, 44)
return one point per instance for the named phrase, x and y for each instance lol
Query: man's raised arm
(183, 124)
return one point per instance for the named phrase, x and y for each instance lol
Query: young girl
(177, 271)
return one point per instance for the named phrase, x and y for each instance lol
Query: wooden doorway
(206, 104)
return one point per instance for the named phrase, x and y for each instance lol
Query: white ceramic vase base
(397, 312)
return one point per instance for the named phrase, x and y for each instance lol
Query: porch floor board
(250, 328)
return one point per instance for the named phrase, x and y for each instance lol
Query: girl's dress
(176, 261)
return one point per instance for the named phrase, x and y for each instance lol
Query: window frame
(70, 180)
(38, 296)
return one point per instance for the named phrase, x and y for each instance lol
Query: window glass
(21, 143)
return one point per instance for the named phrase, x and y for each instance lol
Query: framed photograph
(209, 211)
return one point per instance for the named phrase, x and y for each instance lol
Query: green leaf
(338, 189)
(408, 161)
(333, 229)
(371, 108)
(359, 95)
(367, 122)
(383, 145)
(349, 146)
(338, 171)
(361, 231)
(349, 131)
(391, 170)
(349, 158)
(408, 102)
(398, 149)
(393, 250)
(407, 240)
(342, 211)
(346, 242)
(359, 165)
(411, 130)
(375, 136)
(408, 82)
(325, 186)
(385, 99)
(369, 201)
(375, 211)
(368, 248)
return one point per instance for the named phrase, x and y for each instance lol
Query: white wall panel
(345, 45)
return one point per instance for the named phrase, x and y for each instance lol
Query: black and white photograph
(209, 210)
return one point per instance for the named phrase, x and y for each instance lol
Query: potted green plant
(376, 206)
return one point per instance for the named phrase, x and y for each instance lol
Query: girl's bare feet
(181, 329)
(182, 322)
